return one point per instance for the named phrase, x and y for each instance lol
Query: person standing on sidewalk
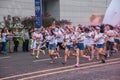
(10, 41)
(0, 41)
(4, 40)
(26, 38)
(16, 40)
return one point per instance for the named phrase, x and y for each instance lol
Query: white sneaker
(33, 54)
(37, 57)
(43, 52)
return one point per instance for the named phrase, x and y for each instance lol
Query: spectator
(0, 41)
(16, 40)
(4, 40)
(10, 41)
(26, 38)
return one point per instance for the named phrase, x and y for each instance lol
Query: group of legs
(77, 52)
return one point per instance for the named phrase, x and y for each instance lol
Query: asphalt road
(23, 66)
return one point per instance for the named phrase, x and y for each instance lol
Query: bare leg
(77, 58)
(38, 52)
(84, 56)
(66, 54)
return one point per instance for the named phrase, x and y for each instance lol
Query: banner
(112, 15)
(38, 13)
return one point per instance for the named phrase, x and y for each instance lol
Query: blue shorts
(69, 47)
(38, 45)
(80, 46)
(52, 46)
(100, 45)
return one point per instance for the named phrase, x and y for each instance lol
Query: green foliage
(62, 22)
(47, 20)
(29, 22)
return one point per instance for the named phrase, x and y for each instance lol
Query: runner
(110, 42)
(99, 39)
(80, 47)
(88, 43)
(68, 43)
(52, 46)
(37, 43)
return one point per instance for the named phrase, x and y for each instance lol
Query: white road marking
(35, 72)
(5, 57)
(73, 69)
(42, 60)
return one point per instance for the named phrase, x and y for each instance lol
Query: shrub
(63, 22)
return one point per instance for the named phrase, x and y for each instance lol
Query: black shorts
(109, 45)
(117, 41)
(60, 45)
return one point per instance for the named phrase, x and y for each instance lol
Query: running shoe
(105, 56)
(89, 59)
(33, 54)
(63, 63)
(77, 65)
(102, 61)
(37, 57)
(51, 62)
(56, 57)
(43, 52)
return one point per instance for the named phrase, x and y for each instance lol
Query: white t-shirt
(51, 39)
(89, 39)
(80, 37)
(38, 35)
(111, 39)
(68, 39)
(101, 39)
(59, 36)
(4, 37)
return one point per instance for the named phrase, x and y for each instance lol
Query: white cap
(98, 28)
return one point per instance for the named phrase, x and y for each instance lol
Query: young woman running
(80, 47)
(88, 42)
(68, 43)
(52, 46)
(99, 39)
(37, 43)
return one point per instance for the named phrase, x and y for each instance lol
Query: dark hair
(52, 31)
(102, 28)
(111, 27)
(87, 30)
(3, 30)
(81, 29)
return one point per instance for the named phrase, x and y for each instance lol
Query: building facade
(77, 11)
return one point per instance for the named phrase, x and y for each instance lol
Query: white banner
(112, 15)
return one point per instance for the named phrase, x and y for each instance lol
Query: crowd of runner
(90, 42)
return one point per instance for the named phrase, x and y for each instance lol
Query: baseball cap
(97, 28)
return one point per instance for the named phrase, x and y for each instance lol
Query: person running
(116, 43)
(37, 38)
(88, 42)
(100, 39)
(69, 38)
(52, 46)
(110, 43)
(80, 47)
